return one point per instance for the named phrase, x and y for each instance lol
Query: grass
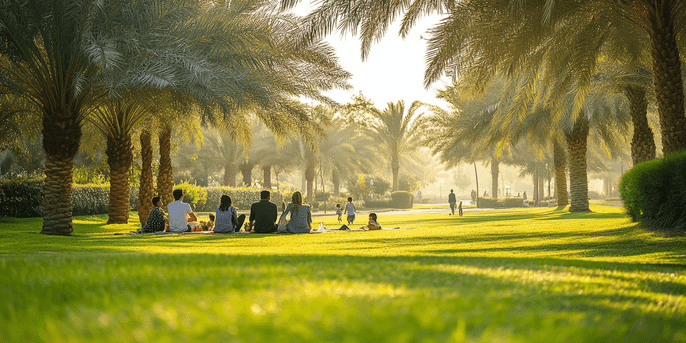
(520, 275)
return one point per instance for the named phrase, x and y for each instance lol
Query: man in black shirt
(452, 201)
(263, 215)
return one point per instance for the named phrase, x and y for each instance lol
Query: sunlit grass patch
(534, 274)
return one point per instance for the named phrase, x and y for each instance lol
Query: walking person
(350, 211)
(452, 201)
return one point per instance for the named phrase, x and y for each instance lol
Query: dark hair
(155, 200)
(264, 194)
(350, 199)
(451, 191)
(338, 205)
(178, 193)
(225, 202)
(211, 217)
(373, 215)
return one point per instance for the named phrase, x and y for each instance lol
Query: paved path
(401, 212)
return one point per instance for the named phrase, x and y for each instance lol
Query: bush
(511, 202)
(242, 198)
(321, 196)
(401, 199)
(90, 199)
(194, 195)
(654, 193)
(21, 198)
(593, 195)
(382, 203)
(487, 202)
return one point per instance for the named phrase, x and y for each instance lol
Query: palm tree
(116, 120)
(396, 129)
(472, 36)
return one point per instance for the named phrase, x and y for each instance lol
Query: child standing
(459, 209)
(350, 211)
(339, 212)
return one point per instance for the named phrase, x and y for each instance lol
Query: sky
(394, 69)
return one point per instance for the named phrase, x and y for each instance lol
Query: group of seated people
(263, 217)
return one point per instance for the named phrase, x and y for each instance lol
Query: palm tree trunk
(61, 138)
(494, 176)
(165, 174)
(476, 177)
(230, 172)
(535, 181)
(578, 178)
(119, 157)
(643, 142)
(560, 161)
(336, 182)
(395, 169)
(309, 178)
(667, 71)
(146, 189)
(246, 170)
(267, 172)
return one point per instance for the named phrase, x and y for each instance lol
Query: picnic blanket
(314, 231)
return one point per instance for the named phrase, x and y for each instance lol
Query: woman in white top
(227, 219)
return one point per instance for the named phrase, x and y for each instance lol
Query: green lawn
(521, 275)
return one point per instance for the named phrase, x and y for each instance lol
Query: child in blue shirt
(339, 212)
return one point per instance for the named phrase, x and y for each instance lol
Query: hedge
(401, 199)
(488, 202)
(382, 203)
(654, 193)
(21, 198)
(242, 198)
(511, 202)
(24, 198)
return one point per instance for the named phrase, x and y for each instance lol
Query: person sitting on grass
(180, 214)
(228, 220)
(371, 225)
(157, 220)
(301, 217)
(210, 224)
(262, 215)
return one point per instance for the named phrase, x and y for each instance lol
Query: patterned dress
(155, 222)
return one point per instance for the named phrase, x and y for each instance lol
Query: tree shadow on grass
(432, 293)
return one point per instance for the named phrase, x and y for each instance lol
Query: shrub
(487, 202)
(133, 198)
(594, 195)
(401, 199)
(654, 193)
(511, 202)
(321, 196)
(381, 203)
(21, 198)
(194, 195)
(90, 199)
(242, 198)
